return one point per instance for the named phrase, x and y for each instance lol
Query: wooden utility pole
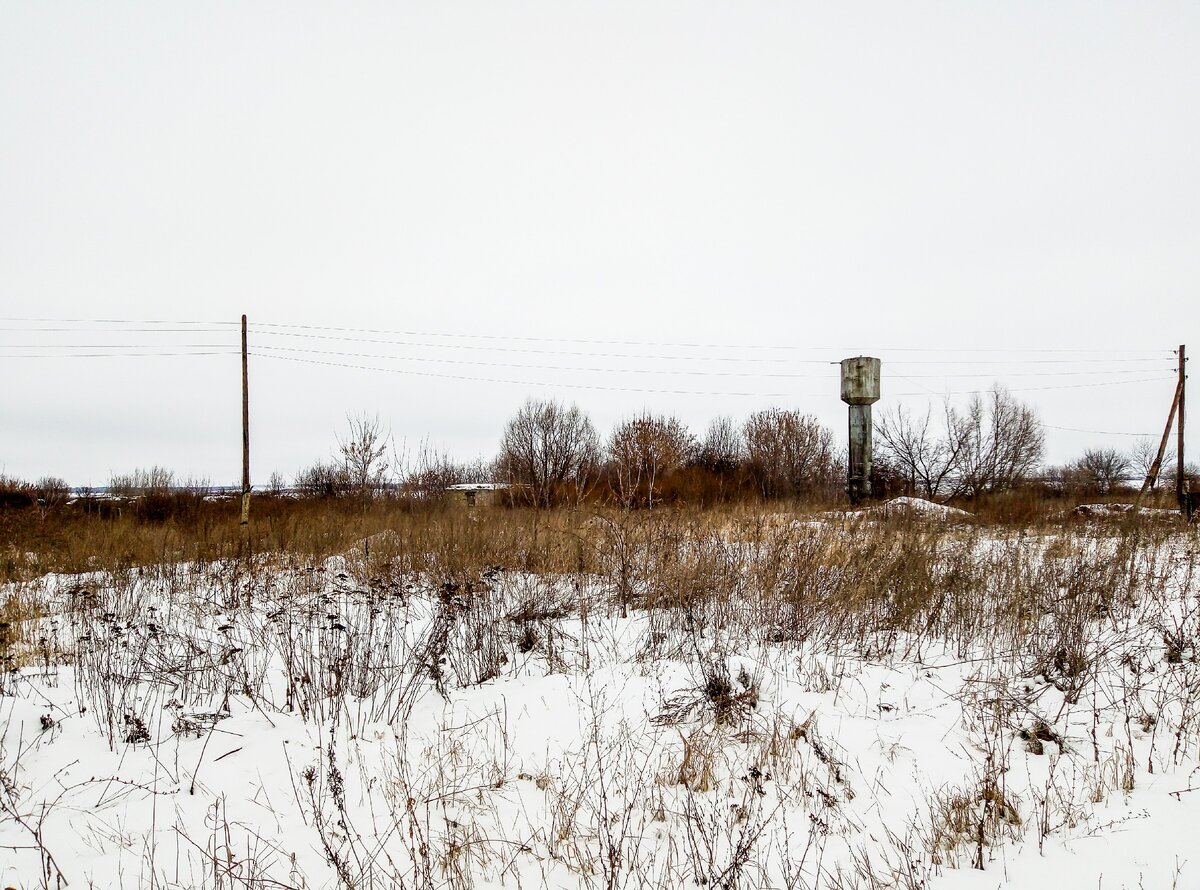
(245, 446)
(1177, 406)
(1181, 492)
(1152, 473)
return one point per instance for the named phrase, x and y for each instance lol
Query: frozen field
(916, 703)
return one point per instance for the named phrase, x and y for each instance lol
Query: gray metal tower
(860, 390)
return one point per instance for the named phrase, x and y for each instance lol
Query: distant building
(478, 494)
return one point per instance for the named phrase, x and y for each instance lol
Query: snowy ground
(343, 724)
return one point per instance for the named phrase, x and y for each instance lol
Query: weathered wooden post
(245, 523)
(860, 390)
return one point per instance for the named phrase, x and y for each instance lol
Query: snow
(1108, 511)
(921, 506)
(305, 728)
(908, 507)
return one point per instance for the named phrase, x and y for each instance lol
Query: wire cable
(117, 331)
(515, 366)
(1070, 429)
(282, 327)
(117, 354)
(692, 345)
(525, 350)
(115, 345)
(974, 392)
(660, 371)
(409, 371)
(435, 374)
(115, 321)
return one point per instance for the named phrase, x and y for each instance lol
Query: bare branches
(994, 443)
(642, 452)
(788, 453)
(364, 455)
(550, 449)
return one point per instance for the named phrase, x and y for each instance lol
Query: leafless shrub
(52, 492)
(364, 455)
(142, 481)
(549, 449)
(642, 452)
(323, 479)
(788, 453)
(1103, 470)
(722, 449)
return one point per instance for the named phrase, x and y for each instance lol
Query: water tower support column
(860, 390)
(858, 483)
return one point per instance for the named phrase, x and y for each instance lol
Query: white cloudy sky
(950, 183)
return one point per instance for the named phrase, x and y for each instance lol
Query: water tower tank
(860, 380)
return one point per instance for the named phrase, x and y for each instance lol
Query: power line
(281, 329)
(1029, 374)
(286, 329)
(530, 351)
(451, 361)
(113, 321)
(675, 372)
(974, 392)
(475, 347)
(690, 345)
(110, 345)
(1069, 429)
(411, 372)
(115, 331)
(112, 355)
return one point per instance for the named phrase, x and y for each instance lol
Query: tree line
(550, 453)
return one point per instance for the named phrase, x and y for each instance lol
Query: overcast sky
(949, 183)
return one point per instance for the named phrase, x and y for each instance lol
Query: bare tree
(926, 457)
(1103, 469)
(993, 443)
(1141, 460)
(52, 491)
(364, 455)
(1004, 443)
(789, 453)
(550, 449)
(642, 452)
(1191, 474)
(721, 451)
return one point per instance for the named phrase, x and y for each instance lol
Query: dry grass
(18, 612)
(495, 588)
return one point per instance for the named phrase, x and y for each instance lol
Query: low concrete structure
(478, 494)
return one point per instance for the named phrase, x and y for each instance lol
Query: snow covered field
(913, 702)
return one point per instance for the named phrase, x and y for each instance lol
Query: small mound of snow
(921, 506)
(1108, 511)
(917, 508)
(335, 565)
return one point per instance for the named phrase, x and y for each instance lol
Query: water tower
(860, 390)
